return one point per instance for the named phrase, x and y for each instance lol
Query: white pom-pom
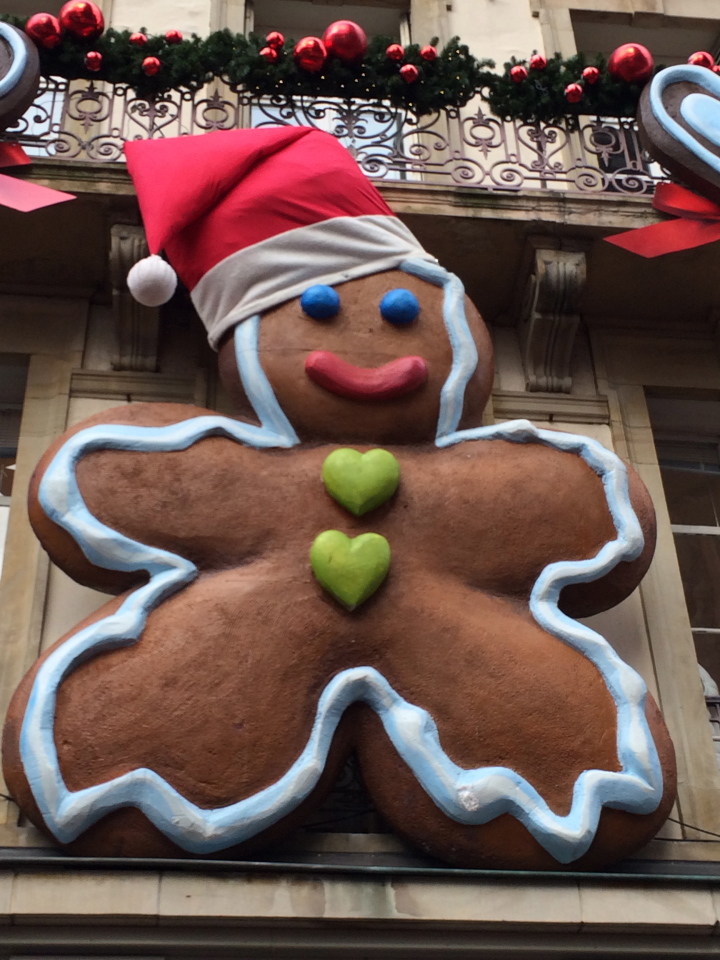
(152, 281)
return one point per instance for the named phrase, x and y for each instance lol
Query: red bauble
(573, 93)
(518, 73)
(591, 75)
(429, 53)
(632, 62)
(151, 66)
(716, 68)
(702, 59)
(269, 54)
(174, 36)
(138, 39)
(310, 54)
(93, 60)
(83, 19)
(395, 52)
(409, 73)
(346, 41)
(275, 40)
(538, 61)
(44, 30)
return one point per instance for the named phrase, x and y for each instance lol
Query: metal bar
(17, 858)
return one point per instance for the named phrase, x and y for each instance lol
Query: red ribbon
(699, 223)
(21, 194)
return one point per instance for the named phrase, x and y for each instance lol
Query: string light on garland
(137, 39)
(310, 54)
(573, 93)
(538, 62)
(631, 62)
(93, 61)
(269, 54)
(174, 36)
(702, 59)
(345, 40)
(429, 53)
(518, 73)
(44, 30)
(275, 40)
(395, 52)
(82, 19)
(591, 75)
(151, 66)
(409, 72)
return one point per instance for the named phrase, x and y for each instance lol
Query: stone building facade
(588, 339)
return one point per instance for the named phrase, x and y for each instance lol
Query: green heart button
(360, 481)
(350, 569)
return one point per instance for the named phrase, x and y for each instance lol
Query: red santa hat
(251, 218)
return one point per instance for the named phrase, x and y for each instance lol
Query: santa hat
(251, 218)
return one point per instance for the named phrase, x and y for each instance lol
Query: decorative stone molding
(131, 386)
(550, 317)
(549, 407)
(137, 327)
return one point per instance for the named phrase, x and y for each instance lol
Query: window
(303, 18)
(687, 436)
(670, 39)
(13, 374)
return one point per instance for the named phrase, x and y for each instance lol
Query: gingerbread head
(293, 256)
(287, 599)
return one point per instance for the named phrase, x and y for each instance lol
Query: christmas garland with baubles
(341, 64)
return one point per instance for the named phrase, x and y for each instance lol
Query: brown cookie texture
(681, 162)
(503, 842)
(17, 100)
(359, 335)
(219, 695)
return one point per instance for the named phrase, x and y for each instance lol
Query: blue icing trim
(467, 796)
(465, 355)
(257, 386)
(320, 302)
(693, 114)
(19, 58)
(399, 307)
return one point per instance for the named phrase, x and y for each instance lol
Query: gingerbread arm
(62, 548)
(587, 599)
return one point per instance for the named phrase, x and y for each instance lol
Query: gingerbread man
(353, 564)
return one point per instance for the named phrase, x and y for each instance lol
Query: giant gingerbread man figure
(353, 564)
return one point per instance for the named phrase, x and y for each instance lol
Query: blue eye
(320, 302)
(399, 307)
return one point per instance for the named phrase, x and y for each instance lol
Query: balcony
(83, 120)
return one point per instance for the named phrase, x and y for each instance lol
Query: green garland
(541, 97)
(448, 81)
(451, 80)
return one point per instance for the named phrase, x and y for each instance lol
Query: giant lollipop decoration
(19, 81)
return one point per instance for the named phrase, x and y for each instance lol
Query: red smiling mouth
(391, 380)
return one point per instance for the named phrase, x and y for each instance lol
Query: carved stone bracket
(137, 327)
(550, 317)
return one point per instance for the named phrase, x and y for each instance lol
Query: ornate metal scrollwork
(90, 120)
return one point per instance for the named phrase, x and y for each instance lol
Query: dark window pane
(699, 558)
(689, 496)
(6, 475)
(707, 648)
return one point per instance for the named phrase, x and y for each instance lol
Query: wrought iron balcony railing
(81, 120)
